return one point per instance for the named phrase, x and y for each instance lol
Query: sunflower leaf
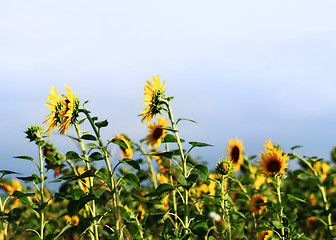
(201, 169)
(89, 137)
(297, 146)
(185, 119)
(239, 214)
(25, 158)
(290, 196)
(171, 138)
(131, 163)
(102, 124)
(168, 129)
(132, 179)
(168, 154)
(96, 156)
(119, 142)
(6, 172)
(199, 144)
(161, 190)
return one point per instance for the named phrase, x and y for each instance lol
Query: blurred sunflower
(268, 145)
(235, 153)
(265, 235)
(125, 152)
(258, 199)
(273, 162)
(69, 111)
(156, 133)
(55, 118)
(153, 93)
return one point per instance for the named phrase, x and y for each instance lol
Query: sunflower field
(163, 194)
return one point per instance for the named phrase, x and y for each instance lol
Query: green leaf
(168, 129)
(124, 214)
(25, 158)
(52, 225)
(297, 146)
(53, 166)
(185, 119)
(132, 179)
(201, 169)
(239, 214)
(23, 196)
(33, 178)
(6, 172)
(132, 228)
(277, 224)
(199, 144)
(161, 190)
(131, 163)
(119, 142)
(77, 193)
(182, 180)
(71, 155)
(75, 206)
(168, 154)
(290, 196)
(292, 217)
(91, 145)
(102, 124)
(51, 159)
(171, 138)
(89, 137)
(96, 156)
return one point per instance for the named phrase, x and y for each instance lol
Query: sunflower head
(224, 166)
(156, 133)
(265, 235)
(69, 111)
(125, 152)
(55, 117)
(273, 162)
(154, 95)
(235, 153)
(255, 203)
(35, 133)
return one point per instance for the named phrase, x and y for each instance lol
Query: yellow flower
(125, 153)
(202, 189)
(265, 235)
(86, 181)
(259, 181)
(258, 199)
(74, 220)
(311, 222)
(55, 117)
(224, 166)
(156, 133)
(165, 202)
(322, 168)
(162, 178)
(268, 145)
(140, 213)
(235, 153)
(69, 111)
(273, 162)
(153, 93)
(16, 186)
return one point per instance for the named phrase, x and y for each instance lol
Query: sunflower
(255, 201)
(69, 111)
(153, 94)
(224, 166)
(235, 153)
(156, 133)
(268, 145)
(273, 162)
(125, 152)
(265, 235)
(55, 117)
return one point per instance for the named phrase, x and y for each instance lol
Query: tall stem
(41, 193)
(224, 204)
(184, 163)
(88, 166)
(151, 169)
(281, 207)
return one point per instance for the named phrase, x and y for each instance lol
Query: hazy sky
(247, 69)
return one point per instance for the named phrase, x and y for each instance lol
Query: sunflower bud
(225, 166)
(35, 133)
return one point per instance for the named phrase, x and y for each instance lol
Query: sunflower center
(235, 154)
(274, 166)
(157, 133)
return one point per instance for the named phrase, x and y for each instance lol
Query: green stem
(4, 223)
(281, 207)
(224, 202)
(104, 151)
(88, 166)
(41, 192)
(322, 190)
(184, 167)
(152, 172)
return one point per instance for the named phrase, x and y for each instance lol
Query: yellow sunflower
(235, 153)
(273, 162)
(268, 145)
(156, 133)
(55, 117)
(69, 111)
(258, 199)
(153, 93)
(125, 152)
(265, 235)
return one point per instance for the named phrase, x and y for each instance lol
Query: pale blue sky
(247, 69)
